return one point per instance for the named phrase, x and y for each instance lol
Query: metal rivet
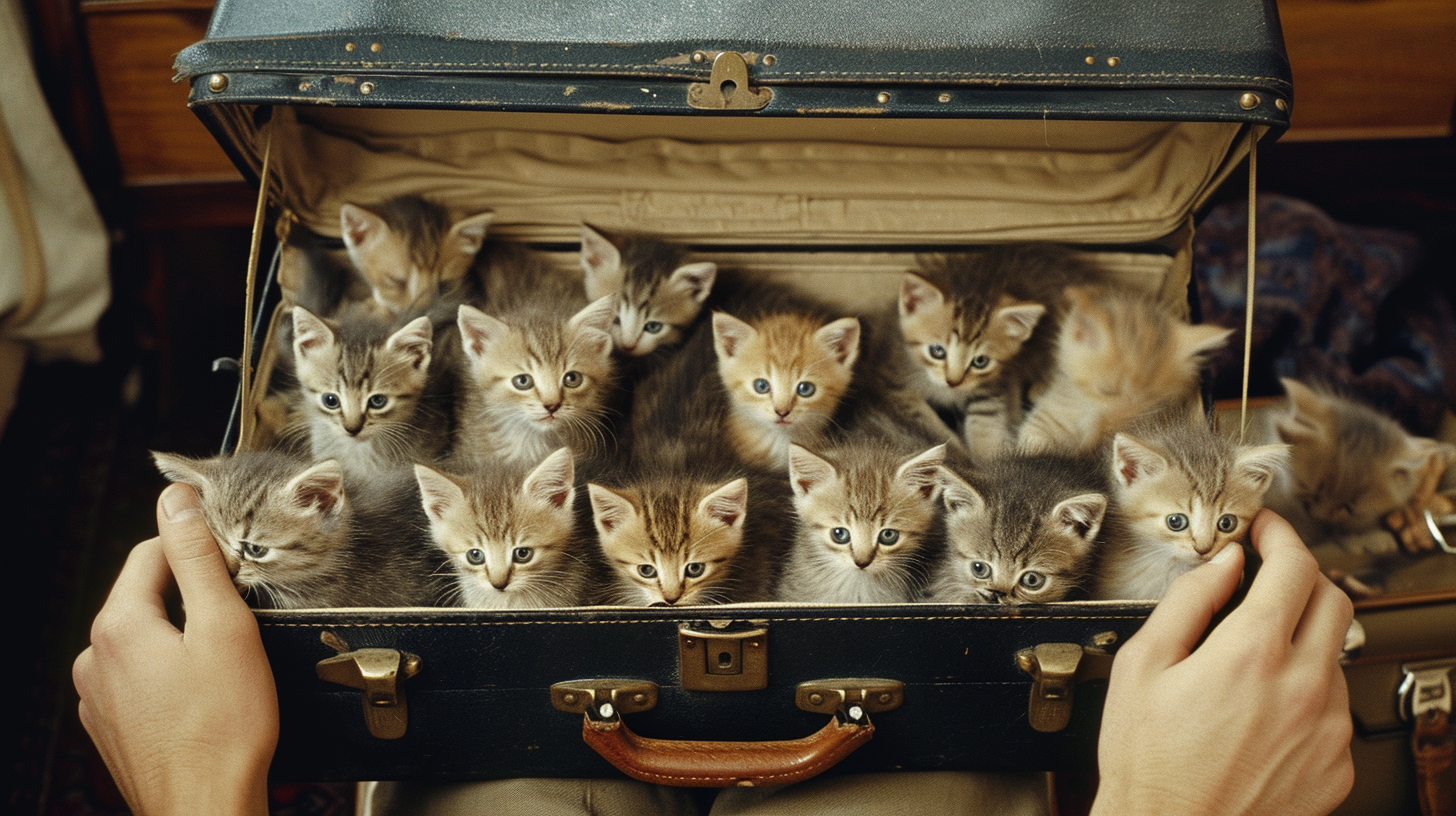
(305, 85)
(1114, 61)
(769, 59)
(366, 87)
(1249, 101)
(1104, 638)
(569, 699)
(699, 56)
(816, 699)
(753, 644)
(639, 698)
(945, 97)
(1091, 60)
(376, 47)
(606, 710)
(350, 46)
(882, 97)
(690, 643)
(1281, 104)
(217, 83)
(884, 698)
(855, 712)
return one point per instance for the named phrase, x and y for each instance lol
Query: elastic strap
(1249, 291)
(247, 417)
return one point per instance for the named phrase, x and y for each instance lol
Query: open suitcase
(828, 142)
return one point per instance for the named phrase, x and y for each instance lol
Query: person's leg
(524, 797)
(945, 793)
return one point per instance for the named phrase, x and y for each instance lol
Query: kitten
(1183, 493)
(409, 251)
(1024, 529)
(980, 327)
(1350, 466)
(298, 536)
(1119, 356)
(514, 542)
(868, 524)
(658, 296)
(678, 537)
(365, 392)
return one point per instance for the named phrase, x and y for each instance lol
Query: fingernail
(177, 500)
(1225, 555)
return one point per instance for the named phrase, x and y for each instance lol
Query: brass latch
(726, 660)
(1426, 687)
(727, 87)
(873, 695)
(1056, 669)
(380, 674)
(604, 698)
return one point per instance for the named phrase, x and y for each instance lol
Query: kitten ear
(1307, 411)
(596, 315)
(319, 489)
(1132, 460)
(185, 470)
(467, 235)
(364, 234)
(438, 493)
(727, 505)
(554, 480)
(918, 294)
(841, 338)
(1199, 341)
(807, 471)
(1018, 321)
(1080, 327)
(957, 495)
(1257, 467)
(610, 509)
(922, 471)
(729, 334)
(478, 330)
(694, 280)
(1081, 515)
(413, 342)
(601, 264)
(311, 335)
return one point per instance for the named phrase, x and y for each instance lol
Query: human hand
(187, 721)
(1256, 719)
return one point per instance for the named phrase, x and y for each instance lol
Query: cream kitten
(784, 376)
(678, 538)
(513, 542)
(409, 251)
(658, 296)
(1025, 529)
(364, 395)
(1350, 466)
(295, 538)
(1183, 493)
(868, 524)
(1119, 356)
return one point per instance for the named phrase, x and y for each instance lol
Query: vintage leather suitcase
(828, 141)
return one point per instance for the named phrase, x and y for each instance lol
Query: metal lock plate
(727, 87)
(380, 674)
(1056, 669)
(1426, 687)
(828, 696)
(722, 660)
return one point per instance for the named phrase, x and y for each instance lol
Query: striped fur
(659, 296)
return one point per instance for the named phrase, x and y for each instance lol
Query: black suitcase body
(1077, 96)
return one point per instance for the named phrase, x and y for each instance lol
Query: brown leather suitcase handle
(708, 764)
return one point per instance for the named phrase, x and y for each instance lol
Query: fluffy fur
(409, 250)
(658, 295)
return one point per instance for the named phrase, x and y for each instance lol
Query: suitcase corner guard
(721, 764)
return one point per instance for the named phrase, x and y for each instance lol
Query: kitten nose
(863, 560)
(784, 411)
(551, 408)
(993, 596)
(354, 425)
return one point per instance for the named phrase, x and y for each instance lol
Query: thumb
(193, 553)
(1182, 616)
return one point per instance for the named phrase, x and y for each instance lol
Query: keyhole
(724, 660)
(727, 88)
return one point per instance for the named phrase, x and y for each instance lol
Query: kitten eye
(980, 569)
(652, 327)
(330, 401)
(981, 362)
(839, 535)
(572, 379)
(805, 389)
(1033, 580)
(1177, 522)
(888, 537)
(1228, 522)
(522, 381)
(475, 556)
(617, 321)
(647, 571)
(378, 401)
(521, 555)
(936, 351)
(761, 385)
(254, 551)
(695, 569)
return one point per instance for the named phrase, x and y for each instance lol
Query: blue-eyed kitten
(658, 295)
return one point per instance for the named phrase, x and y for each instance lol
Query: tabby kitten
(980, 327)
(409, 250)
(1350, 466)
(299, 536)
(364, 391)
(784, 376)
(658, 296)
(677, 537)
(1024, 529)
(1183, 493)
(514, 543)
(1119, 356)
(868, 524)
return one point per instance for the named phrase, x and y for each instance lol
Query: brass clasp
(724, 660)
(380, 674)
(727, 87)
(604, 699)
(828, 696)
(1425, 687)
(1056, 669)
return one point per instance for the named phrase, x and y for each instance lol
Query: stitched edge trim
(422, 624)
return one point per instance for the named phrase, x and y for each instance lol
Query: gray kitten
(295, 538)
(658, 297)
